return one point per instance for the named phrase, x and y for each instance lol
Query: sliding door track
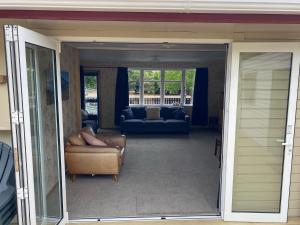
(155, 218)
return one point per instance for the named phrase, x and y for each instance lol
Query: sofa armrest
(91, 149)
(187, 118)
(122, 118)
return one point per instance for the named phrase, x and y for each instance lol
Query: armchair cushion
(88, 130)
(113, 140)
(77, 139)
(91, 140)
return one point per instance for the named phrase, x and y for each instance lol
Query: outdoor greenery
(152, 81)
(90, 82)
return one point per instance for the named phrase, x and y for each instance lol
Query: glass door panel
(260, 131)
(36, 112)
(44, 133)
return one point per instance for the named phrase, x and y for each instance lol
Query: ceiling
(149, 52)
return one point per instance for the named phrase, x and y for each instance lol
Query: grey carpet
(162, 175)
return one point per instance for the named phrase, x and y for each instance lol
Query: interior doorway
(173, 172)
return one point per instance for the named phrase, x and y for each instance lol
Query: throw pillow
(88, 130)
(167, 112)
(139, 112)
(77, 139)
(179, 114)
(153, 113)
(91, 140)
(127, 113)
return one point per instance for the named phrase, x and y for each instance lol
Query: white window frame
(162, 85)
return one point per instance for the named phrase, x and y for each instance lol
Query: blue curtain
(200, 100)
(122, 93)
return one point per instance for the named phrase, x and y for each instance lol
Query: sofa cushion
(91, 140)
(77, 139)
(154, 125)
(128, 113)
(167, 112)
(153, 113)
(159, 121)
(175, 124)
(139, 112)
(133, 124)
(179, 114)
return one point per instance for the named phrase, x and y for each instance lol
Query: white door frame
(21, 36)
(294, 48)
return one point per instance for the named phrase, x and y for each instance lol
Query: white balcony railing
(156, 100)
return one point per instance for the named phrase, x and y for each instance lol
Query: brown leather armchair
(85, 159)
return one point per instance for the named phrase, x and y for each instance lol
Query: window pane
(263, 90)
(152, 92)
(134, 86)
(173, 75)
(189, 85)
(172, 93)
(90, 91)
(152, 75)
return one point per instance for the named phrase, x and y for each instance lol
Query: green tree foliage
(90, 82)
(171, 88)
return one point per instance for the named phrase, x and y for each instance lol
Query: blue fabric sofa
(173, 120)
(8, 197)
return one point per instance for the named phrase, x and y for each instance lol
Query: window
(91, 94)
(152, 84)
(134, 86)
(189, 86)
(173, 87)
(156, 86)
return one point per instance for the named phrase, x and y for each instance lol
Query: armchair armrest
(113, 139)
(187, 118)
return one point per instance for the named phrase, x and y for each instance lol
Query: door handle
(283, 143)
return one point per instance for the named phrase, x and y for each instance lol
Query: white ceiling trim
(215, 6)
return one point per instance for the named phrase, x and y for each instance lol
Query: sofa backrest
(166, 112)
(139, 112)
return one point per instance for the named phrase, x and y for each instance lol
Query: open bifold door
(36, 116)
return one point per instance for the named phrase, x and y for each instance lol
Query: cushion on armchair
(88, 130)
(77, 139)
(91, 140)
